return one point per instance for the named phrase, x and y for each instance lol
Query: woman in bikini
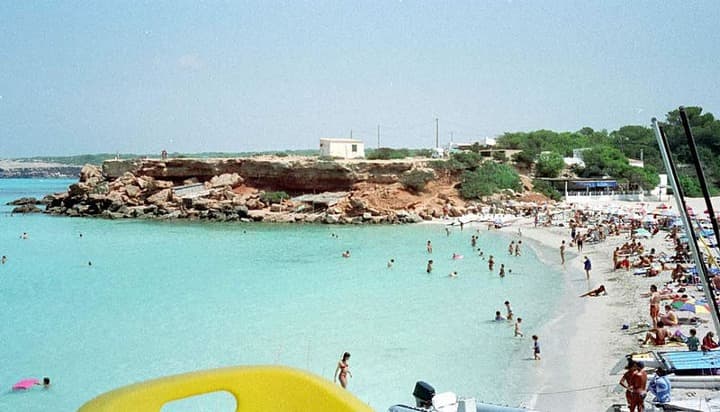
(343, 370)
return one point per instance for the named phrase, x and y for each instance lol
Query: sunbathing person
(657, 335)
(708, 343)
(677, 273)
(623, 264)
(595, 292)
(670, 318)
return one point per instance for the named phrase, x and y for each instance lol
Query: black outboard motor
(423, 394)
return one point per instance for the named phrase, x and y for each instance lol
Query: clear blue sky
(191, 76)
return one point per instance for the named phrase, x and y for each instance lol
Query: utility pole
(351, 133)
(378, 136)
(437, 141)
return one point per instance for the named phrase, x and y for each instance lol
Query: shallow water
(168, 297)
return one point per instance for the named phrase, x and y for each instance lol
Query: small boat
(426, 400)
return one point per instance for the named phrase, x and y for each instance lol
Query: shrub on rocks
(416, 180)
(273, 197)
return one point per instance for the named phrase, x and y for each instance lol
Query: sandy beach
(584, 339)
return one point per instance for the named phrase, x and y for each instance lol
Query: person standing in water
(429, 266)
(562, 252)
(502, 270)
(343, 370)
(491, 263)
(429, 247)
(518, 332)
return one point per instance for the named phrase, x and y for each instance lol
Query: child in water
(518, 332)
(536, 347)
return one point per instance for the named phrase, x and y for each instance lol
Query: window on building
(354, 148)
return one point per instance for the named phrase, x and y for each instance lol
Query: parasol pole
(679, 196)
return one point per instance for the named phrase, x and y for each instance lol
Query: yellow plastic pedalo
(255, 388)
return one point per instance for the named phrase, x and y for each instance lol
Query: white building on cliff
(342, 148)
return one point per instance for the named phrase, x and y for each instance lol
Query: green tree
(489, 178)
(603, 160)
(547, 189)
(549, 164)
(634, 140)
(524, 158)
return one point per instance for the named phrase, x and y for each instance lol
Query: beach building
(342, 148)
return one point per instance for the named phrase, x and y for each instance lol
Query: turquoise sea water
(168, 297)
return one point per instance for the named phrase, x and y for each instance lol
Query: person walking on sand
(342, 372)
(562, 252)
(429, 247)
(536, 347)
(588, 266)
(518, 332)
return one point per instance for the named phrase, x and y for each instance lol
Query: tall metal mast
(680, 200)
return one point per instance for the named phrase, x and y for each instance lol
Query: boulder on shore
(26, 208)
(24, 201)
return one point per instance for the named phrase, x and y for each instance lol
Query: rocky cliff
(255, 189)
(289, 174)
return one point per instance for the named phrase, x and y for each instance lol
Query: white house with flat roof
(342, 148)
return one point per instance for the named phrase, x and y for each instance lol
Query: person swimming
(391, 263)
(498, 316)
(346, 254)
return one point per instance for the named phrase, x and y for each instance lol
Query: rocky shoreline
(357, 193)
